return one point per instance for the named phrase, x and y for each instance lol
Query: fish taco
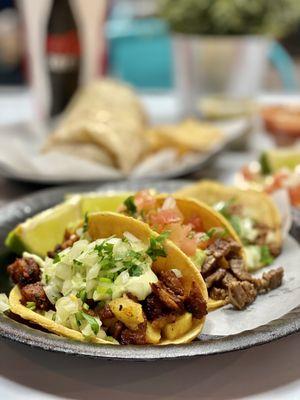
(112, 280)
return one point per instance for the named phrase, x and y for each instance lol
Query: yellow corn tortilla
(211, 219)
(106, 224)
(258, 205)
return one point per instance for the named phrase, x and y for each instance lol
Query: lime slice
(93, 202)
(45, 230)
(274, 160)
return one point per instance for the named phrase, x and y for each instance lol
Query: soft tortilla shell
(259, 205)
(106, 224)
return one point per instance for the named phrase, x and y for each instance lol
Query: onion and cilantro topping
(97, 272)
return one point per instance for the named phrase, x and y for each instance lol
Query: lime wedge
(45, 230)
(274, 160)
(93, 202)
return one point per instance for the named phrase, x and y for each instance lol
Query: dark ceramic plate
(15, 330)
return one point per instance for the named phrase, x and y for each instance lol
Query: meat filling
(24, 271)
(34, 292)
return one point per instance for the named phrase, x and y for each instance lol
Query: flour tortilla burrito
(252, 214)
(112, 281)
(107, 121)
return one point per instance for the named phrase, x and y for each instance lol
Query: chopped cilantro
(82, 295)
(136, 270)
(105, 280)
(56, 259)
(156, 248)
(265, 256)
(85, 226)
(77, 263)
(130, 205)
(218, 232)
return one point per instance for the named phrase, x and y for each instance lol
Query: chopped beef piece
(208, 266)
(115, 329)
(221, 247)
(228, 278)
(241, 294)
(167, 297)
(105, 313)
(128, 336)
(194, 303)
(24, 271)
(172, 282)
(270, 280)
(34, 292)
(215, 277)
(153, 307)
(218, 293)
(132, 297)
(69, 240)
(236, 209)
(91, 312)
(237, 266)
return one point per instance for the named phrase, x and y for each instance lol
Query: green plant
(231, 17)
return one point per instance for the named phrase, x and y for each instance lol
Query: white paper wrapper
(20, 157)
(266, 308)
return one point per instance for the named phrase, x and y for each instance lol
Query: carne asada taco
(253, 215)
(201, 233)
(113, 280)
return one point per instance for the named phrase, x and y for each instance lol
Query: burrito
(112, 281)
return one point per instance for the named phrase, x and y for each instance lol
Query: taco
(113, 280)
(205, 236)
(252, 214)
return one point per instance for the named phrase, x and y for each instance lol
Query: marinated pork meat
(34, 293)
(24, 271)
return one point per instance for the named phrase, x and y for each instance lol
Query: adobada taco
(201, 233)
(112, 281)
(253, 215)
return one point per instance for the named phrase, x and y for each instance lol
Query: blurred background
(212, 60)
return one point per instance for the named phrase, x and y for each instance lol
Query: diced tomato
(277, 181)
(294, 193)
(144, 200)
(196, 223)
(179, 234)
(165, 217)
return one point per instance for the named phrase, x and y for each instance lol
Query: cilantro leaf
(135, 270)
(31, 305)
(156, 248)
(85, 226)
(130, 205)
(56, 259)
(92, 322)
(265, 255)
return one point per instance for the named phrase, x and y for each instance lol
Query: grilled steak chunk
(270, 280)
(105, 313)
(138, 336)
(115, 329)
(222, 247)
(167, 297)
(208, 266)
(215, 277)
(69, 240)
(228, 278)
(194, 303)
(172, 282)
(24, 271)
(153, 307)
(34, 292)
(218, 293)
(241, 294)
(238, 269)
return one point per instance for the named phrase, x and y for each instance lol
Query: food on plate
(112, 281)
(282, 121)
(276, 169)
(33, 236)
(209, 240)
(104, 123)
(189, 135)
(253, 215)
